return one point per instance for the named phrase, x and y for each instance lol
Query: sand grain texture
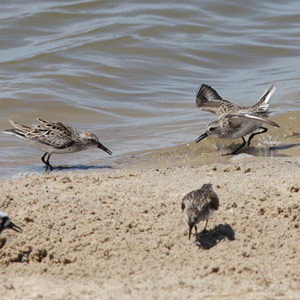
(120, 234)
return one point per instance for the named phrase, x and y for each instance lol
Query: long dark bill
(201, 137)
(104, 148)
(13, 226)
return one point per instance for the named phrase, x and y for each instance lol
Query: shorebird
(234, 121)
(199, 205)
(55, 138)
(5, 222)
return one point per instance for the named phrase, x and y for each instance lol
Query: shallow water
(129, 71)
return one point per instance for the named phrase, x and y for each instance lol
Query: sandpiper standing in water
(6, 223)
(234, 121)
(199, 205)
(55, 138)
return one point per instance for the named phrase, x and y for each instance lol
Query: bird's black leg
(240, 147)
(43, 160)
(48, 163)
(196, 232)
(264, 129)
(204, 230)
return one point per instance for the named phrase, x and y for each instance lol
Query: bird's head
(92, 141)
(6, 223)
(212, 128)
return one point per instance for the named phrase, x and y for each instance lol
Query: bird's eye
(211, 129)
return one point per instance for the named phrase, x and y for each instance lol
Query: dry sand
(120, 234)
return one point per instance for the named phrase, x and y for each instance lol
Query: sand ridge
(120, 234)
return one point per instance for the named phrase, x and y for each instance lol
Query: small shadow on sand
(210, 238)
(80, 167)
(2, 242)
(263, 151)
(83, 167)
(283, 147)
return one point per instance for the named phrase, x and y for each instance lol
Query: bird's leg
(43, 160)
(264, 129)
(240, 147)
(204, 230)
(48, 163)
(196, 232)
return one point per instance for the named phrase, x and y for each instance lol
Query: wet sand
(120, 234)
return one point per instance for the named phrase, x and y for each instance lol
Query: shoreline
(121, 233)
(283, 141)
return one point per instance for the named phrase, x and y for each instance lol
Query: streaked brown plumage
(199, 205)
(234, 121)
(55, 138)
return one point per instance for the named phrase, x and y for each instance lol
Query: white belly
(206, 215)
(52, 150)
(245, 129)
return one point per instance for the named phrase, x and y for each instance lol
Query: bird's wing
(207, 99)
(54, 126)
(52, 138)
(263, 102)
(20, 127)
(207, 93)
(251, 116)
(52, 134)
(19, 130)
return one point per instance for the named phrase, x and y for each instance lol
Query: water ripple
(133, 68)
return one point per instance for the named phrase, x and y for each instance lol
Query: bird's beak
(13, 226)
(104, 148)
(201, 137)
(190, 231)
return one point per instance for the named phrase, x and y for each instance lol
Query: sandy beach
(110, 227)
(120, 234)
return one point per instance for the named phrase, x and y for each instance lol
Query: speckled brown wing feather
(259, 116)
(203, 198)
(207, 99)
(56, 139)
(207, 93)
(193, 199)
(55, 126)
(263, 102)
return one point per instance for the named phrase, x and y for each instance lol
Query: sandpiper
(199, 205)
(234, 121)
(5, 222)
(55, 138)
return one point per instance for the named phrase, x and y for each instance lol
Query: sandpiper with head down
(6, 223)
(234, 121)
(55, 138)
(199, 205)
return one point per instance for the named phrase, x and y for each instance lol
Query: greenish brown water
(129, 73)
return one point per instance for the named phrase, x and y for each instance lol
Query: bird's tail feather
(263, 102)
